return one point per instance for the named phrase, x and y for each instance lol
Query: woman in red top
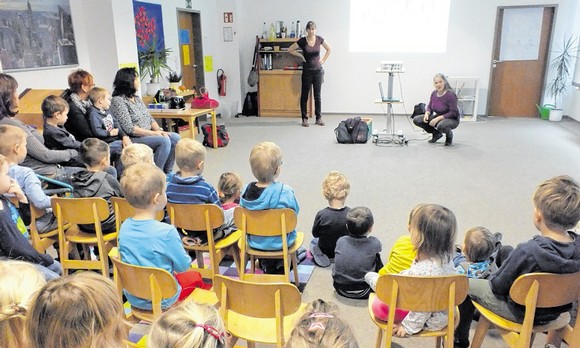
(312, 71)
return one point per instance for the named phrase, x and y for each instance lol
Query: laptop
(383, 98)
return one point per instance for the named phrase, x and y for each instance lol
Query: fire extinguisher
(222, 81)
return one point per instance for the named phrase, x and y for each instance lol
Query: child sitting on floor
(433, 231)
(356, 254)
(330, 222)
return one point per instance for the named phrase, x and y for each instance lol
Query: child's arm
(37, 150)
(33, 189)
(175, 251)
(97, 126)
(517, 263)
(15, 190)
(316, 226)
(63, 138)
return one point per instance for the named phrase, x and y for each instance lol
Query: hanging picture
(148, 26)
(36, 34)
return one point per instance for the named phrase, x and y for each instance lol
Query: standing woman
(135, 120)
(441, 115)
(312, 71)
(80, 83)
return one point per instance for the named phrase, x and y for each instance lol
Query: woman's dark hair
(7, 87)
(124, 83)
(310, 24)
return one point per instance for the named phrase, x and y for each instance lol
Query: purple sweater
(445, 105)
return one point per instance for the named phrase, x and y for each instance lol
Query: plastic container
(544, 111)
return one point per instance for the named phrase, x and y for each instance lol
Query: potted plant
(174, 79)
(561, 66)
(153, 62)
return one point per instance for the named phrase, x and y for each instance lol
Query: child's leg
(381, 311)
(189, 280)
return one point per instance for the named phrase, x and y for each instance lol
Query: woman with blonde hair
(19, 282)
(320, 327)
(188, 325)
(82, 310)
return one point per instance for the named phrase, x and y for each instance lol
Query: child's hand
(17, 191)
(114, 132)
(399, 330)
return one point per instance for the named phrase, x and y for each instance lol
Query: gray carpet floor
(486, 178)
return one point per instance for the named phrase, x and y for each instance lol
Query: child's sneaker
(320, 258)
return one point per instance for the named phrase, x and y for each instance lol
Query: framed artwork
(149, 26)
(228, 34)
(36, 34)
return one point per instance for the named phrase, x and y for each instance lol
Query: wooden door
(521, 46)
(188, 46)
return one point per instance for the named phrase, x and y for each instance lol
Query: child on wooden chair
(433, 229)
(144, 241)
(229, 191)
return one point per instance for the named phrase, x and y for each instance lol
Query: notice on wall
(208, 63)
(129, 65)
(186, 59)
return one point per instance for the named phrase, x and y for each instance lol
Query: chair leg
(294, 261)
(199, 259)
(235, 252)
(438, 342)
(480, 332)
(379, 338)
(252, 264)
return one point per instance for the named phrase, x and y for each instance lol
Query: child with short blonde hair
(330, 222)
(19, 282)
(267, 193)
(81, 310)
(136, 153)
(144, 241)
(321, 326)
(188, 325)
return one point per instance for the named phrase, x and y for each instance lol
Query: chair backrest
(124, 210)
(148, 283)
(439, 293)
(552, 290)
(81, 210)
(196, 217)
(270, 222)
(256, 300)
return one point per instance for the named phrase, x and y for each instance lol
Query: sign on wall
(36, 34)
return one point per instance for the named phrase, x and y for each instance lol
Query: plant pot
(152, 88)
(175, 85)
(544, 111)
(556, 115)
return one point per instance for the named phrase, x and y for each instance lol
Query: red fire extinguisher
(222, 81)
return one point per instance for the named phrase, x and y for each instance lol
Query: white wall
(573, 108)
(350, 79)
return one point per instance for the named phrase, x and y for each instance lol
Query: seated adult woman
(39, 158)
(441, 115)
(135, 120)
(80, 83)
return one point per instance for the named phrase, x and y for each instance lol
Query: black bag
(419, 109)
(351, 131)
(250, 107)
(223, 137)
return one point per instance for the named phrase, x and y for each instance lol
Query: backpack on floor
(352, 131)
(223, 137)
(250, 107)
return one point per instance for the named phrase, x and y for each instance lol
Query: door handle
(495, 61)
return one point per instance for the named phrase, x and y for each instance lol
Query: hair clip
(219, 336)
(321, 315)
(316, 326)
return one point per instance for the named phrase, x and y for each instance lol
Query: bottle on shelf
(272, 34)
(264, 31)
(298, 29)
(292, 30)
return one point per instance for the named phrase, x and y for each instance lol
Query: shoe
(449, 139)
(301, 254)
(436, 136)
(458, 343)
(320, 259)
(305, 123)
(319, 122)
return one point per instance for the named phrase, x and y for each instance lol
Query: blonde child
(82, 310)
(13, 147)
(188, 186)
(144, 241)
(320, 326)
(19, 282)
(433, 230)
(188, 325)
(330, 222)
(229, 190)
(136, 153)
(13, 241)
(356, 254)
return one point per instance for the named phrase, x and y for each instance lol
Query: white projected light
(398, 25)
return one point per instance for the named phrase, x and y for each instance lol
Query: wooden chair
(268, 223)
(83, 211)
(572, 335)
(419, 294)
(148, 283)
(124, 210)
(533, 290)
(258, 312)
(206, 217)
(41, 241)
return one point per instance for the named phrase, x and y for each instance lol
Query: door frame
(197, 44)
(496, 42)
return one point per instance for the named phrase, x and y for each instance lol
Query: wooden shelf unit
(467, 90)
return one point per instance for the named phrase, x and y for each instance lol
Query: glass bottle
(292, 30)
(264, 31)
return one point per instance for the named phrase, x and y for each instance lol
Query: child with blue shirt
(144, 241)
(267, 193)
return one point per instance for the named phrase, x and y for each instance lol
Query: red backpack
(223, 137)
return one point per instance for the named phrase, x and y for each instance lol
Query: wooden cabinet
(280, 83)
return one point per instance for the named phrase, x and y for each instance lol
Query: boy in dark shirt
(56, 137)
